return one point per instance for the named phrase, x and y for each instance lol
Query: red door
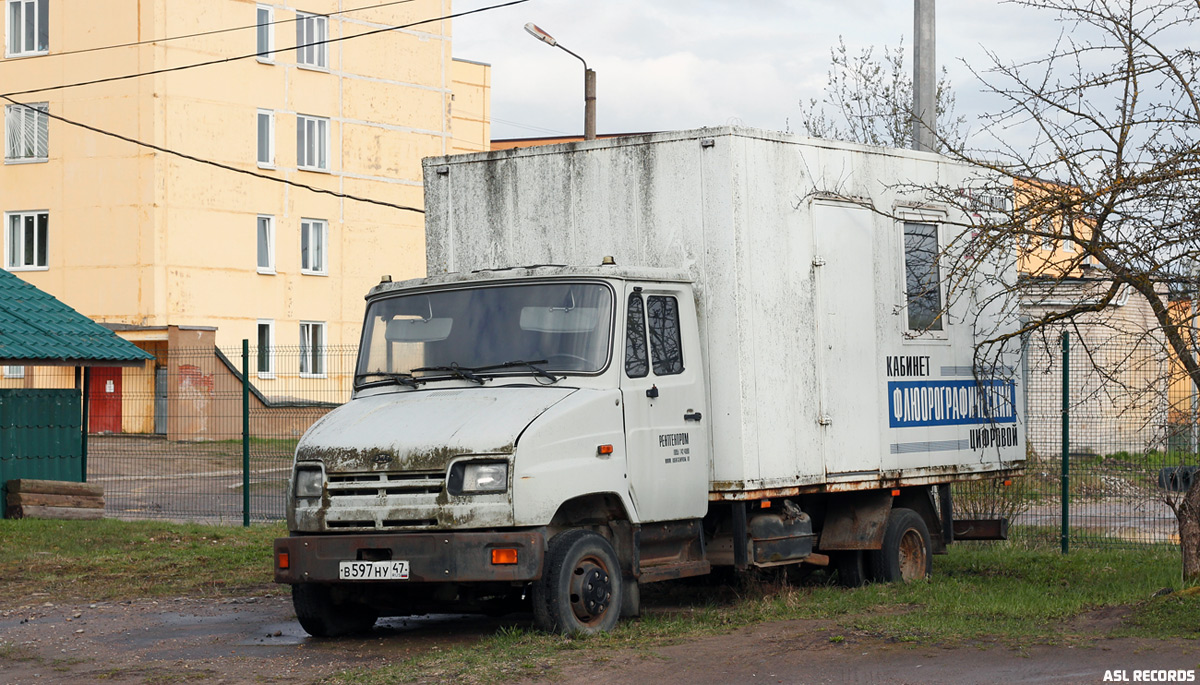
(104, 399)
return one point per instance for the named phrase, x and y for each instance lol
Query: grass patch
(11, 652)
(1012, 593)
(1173, 615)
(113, 560)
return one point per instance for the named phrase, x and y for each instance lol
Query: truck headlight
(309, 481)
(475, 477)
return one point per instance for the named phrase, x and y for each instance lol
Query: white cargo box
(816, 379)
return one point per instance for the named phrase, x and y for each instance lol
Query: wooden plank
(55, 487)
(38, 499)
(35, 512)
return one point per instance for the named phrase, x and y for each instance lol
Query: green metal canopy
(37, 329)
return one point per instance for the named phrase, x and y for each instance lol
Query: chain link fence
(1129, 451)
(166, 440)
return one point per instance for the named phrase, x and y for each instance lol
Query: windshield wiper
(401, 378)
(532, 366)
(463, 372)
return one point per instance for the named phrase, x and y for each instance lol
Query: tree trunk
(1188, 514)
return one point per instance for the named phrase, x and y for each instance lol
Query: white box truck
(639, 358)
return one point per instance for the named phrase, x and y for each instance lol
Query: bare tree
(869, 100)
(1096, 145)
(1112, 166)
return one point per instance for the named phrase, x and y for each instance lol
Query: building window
(265, 358)
(312, 143)
(26, 133)
(1046, 227)
(26, 240)
(14, 371)
(266, 244)
(265, 34)
(311, 34)
(312, 348)
(28, 27)
(666, 345)
(922, 277)
(266, 138)
(314, 235)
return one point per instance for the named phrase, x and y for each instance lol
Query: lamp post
(589, 81)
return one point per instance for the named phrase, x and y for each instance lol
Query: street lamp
(589, 81)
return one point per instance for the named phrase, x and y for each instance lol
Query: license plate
(373, 570)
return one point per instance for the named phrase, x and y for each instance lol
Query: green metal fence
(40, 436)
(1110, 446)
(185, 439)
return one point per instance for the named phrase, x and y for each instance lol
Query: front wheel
(580, 590)
(906, 553)
(321, 615)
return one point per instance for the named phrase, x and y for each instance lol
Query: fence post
(86, 385)
(1066, 440)
(245, 432)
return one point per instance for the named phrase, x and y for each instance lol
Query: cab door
(662, 387)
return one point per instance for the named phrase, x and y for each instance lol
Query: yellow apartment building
(195, 172)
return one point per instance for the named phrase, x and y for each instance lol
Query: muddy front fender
(559, 457)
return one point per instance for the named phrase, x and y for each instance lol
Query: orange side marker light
(504, 557)
(604, 449)
(895, 493)
(284, 560)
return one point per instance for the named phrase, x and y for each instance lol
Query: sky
(680, 64)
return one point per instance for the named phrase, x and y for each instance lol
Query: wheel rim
(590, 591)
(912, 556)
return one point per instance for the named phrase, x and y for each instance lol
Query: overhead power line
(219, 165)
(224, 60)
(151, 41)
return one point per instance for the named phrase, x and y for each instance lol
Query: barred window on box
(312, 348)
(922, 277)
(28, 27)
(25, 240)
(311, 34)
(26, 133)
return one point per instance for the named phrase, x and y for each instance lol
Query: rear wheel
(580, 590)
(851, 568)
(322, 615)
(906, 553)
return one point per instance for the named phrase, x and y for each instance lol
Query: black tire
(580, 591)
(851, 568)
(321, 616)
(907, 552)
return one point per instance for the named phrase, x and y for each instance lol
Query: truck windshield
(516, 329)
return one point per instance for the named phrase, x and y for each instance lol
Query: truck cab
(491, 413)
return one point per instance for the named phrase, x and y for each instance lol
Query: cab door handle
(692, 416)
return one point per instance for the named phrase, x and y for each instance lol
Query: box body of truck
(639, 358)
(796, 249)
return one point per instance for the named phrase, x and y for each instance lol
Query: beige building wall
(139, 237)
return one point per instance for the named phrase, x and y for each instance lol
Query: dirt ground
(256, 639)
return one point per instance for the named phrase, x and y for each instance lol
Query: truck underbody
(868, 535)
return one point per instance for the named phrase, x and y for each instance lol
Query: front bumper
(432, 557)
